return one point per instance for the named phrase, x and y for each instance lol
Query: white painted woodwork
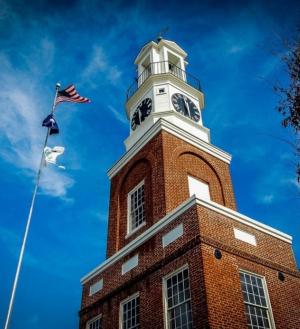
(198, 188)
(244, 236)
(130, 264)
(173, 235)
(97, 286)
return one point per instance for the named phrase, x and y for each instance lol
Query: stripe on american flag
(70, 94)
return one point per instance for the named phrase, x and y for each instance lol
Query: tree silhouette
(289, 104)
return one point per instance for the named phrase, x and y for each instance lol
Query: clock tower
(179, 255)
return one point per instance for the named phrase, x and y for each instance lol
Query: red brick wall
(165, 163)
(151, 298)
(215, 286)
(219, 228)
(150, 253)
(146, 164)
(224, 296)
(182, 159)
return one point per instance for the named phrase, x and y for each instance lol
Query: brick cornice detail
(164, 125)
(239, 253)
(180, 252)
(155, 267)
(154, 229)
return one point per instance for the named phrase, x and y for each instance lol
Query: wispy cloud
(118, 115)
(98, 63)
(20, 126)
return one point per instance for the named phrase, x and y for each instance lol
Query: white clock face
(185, 106)
(141, 113)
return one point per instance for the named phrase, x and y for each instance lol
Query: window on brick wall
(130, 313)
(177, 297)
(258, 308)
(95, 323)
(136, 208)
(199, 188)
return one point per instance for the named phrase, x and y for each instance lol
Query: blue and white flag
(51, 123)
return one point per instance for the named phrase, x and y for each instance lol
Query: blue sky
(93, 45)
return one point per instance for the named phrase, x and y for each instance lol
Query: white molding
(146, 235)
(172, 215)
(162, 124)
(245, 220)
(156, 80)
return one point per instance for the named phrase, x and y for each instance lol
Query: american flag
(70, 94)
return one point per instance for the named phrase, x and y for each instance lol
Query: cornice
(244, 219)
(146, 235)
(167, 77)
(154, 229)
(165, 125)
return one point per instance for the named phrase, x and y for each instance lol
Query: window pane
(137, 211)
(95, 323)
(257, 310)
(178, 301)
(130, 314)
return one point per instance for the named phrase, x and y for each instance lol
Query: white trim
(129, 219)
(92, 320)
(95, 287)
(124, 301)
(245, 220)
(165, 293)
(130, 264)
(264, 281)
(146, 235)
(172, 215)
(172, 235)
(244, 236)
(128, 235)
(163, 124)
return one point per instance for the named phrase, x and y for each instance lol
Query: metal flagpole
(11, 302)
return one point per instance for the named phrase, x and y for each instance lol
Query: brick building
(179, 255)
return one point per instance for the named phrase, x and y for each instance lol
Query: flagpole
(12, 298)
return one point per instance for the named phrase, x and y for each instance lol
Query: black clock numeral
(141, 112)
(185, 106)
(145, 108)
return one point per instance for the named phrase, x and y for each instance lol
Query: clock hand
(186, 105)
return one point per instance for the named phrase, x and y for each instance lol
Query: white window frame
(268, 301)
(123, 302)
(92, 320)
(130, 231)
(165, 293)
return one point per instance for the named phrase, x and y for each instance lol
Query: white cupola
(164, 90)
